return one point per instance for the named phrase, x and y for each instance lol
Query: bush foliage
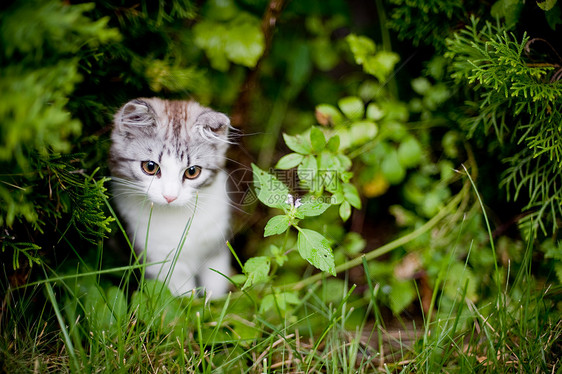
(410, 148)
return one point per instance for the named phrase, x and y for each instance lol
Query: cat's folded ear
(213, 126)
(136, 113)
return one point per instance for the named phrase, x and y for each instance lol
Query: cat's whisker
(124, 182)
(121, 190)
(229, 159)
(229, 202)
(121, 181)
(128, 192)
(237, 163)
(130, 196)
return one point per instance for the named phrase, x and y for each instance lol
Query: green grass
(99, 320)
(159, 333)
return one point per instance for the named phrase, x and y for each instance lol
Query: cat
(167, 163)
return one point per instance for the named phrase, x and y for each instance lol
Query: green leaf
(363, 131)
(330, 170)
(239, 40)
(395, 110)
(344, 161)
(328, 114)
(154, 301)
(313, 207)
(374, 112)
(208, 36)
(432, 202)
(353, 243)
(241, 329)
(552, 249)
(345, 138)
(308, 172)
(546, 5)
(346, 176)
(221, 10)
(409, 152)
(328, 161)
(317, 139)
(457, 276)
(361, 47)
(315, 248)
(421, 85)
(269, 190)
(244, 41)
(345, 210)
(554, 17)
(508, 9)
(289, 161)
(105, 315)
(451, 144)
(401, 295)
(117, 302)
(351, 195)
(337, 197)
(278, 255)
(381, 65)
(276, 225)
(298, 143)
(391, 168)
(279, 300)
(352, 107)
(323, 53)
(333, 144)
(257, 270)
(436, 96)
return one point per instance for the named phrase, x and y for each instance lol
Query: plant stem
(235, 255)
(488, 227)
(385, 35)
(239, 115)
(450, 208)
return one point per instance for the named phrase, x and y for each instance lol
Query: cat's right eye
(150, 167)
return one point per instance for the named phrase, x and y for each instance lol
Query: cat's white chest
(182, 243)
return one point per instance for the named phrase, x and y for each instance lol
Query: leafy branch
(449, 209)
(312, 246)
(518, 100)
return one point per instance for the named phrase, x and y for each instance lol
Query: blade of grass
(501, 303)
(488, 227)
(59, 278)
(218, 326)
(202, 361)
(379, 323)
(333, 320)
(66, 337)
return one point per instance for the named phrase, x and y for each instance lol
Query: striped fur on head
(175, 135)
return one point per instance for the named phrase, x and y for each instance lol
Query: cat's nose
(169, 199)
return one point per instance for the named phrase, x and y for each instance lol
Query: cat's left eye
(192, 172)
(150, 167)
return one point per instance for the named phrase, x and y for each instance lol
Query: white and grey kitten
(166, 161)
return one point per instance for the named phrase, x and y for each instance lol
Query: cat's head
(167, 150)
